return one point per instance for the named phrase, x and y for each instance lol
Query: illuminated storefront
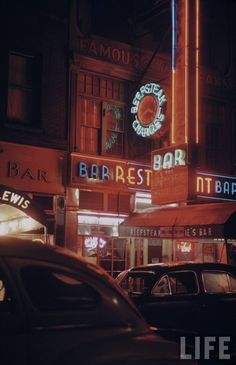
(103, 192)
(32, 186)
(199, 232)
(20, 215)
(115, 121)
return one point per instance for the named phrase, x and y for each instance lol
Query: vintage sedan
(61, 310)
(198, 298)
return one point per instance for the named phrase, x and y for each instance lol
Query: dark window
(23, 90)
(91, 200)
(183, 283)
(50, 289)
(90, 126)
(137, 283)
(45, 202)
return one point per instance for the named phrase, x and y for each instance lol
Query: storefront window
(108, 252)
(200, 250)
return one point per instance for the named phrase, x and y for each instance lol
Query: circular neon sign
(148, 107)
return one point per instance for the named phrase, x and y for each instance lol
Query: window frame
(137, 275)
(104, 95)
(106, 130)
(170, 294)
(35, 87)
(59, 271)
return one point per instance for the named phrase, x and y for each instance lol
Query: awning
(216, 220)
(17, 206)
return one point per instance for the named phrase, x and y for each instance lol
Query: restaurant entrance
(200, 232)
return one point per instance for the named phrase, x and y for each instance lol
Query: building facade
(88, 101)
(33, 112)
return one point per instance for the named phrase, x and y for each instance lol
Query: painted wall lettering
(118, 54)
(15, 170)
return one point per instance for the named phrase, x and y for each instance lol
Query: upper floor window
(101, 120)
(23, 90)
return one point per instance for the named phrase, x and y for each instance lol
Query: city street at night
(118, 182)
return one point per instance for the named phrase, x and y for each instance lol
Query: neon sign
(217, 187)
(93, 242)
(169, 160)
(148, 107)
(184, 247)
(126, 175)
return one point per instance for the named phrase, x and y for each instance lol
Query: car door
(12, 322)
(65, 309)
(218, 303)
(173, 301)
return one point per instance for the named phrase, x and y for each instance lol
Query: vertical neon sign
(186, 71)
(174, 46)
(197, 71)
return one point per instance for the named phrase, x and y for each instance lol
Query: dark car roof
(25, 248)
(169, 266)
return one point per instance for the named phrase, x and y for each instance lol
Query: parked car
(197, 298)
(61, 310)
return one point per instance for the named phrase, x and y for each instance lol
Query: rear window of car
(175, 283)
(51, 290)
(218, 282)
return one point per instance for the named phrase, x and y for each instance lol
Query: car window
(215, 282)
(5, 298)
(50, 289)
(232, 283)
(136, 284)
(183, 282)
(162, 287)
(2, 291)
